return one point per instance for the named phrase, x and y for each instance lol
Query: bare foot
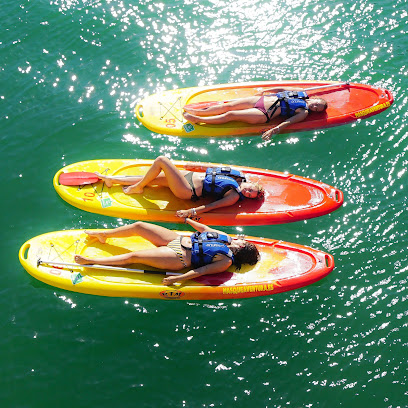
(134, 189)
(100, 235)
(82, 260)
(106, 179)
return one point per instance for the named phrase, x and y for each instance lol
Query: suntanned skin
(243, 110)
(164, 173)
(162, 256)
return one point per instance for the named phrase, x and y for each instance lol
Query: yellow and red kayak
(288, 198)
(283, 267)
(347, 102)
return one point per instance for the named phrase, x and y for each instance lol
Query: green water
(70, 72)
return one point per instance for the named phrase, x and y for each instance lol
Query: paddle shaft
(327, 86)
(103, 267)
(323, 86)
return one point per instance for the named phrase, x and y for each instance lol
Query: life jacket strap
(272, 109)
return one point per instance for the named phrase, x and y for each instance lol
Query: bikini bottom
(260, 105)
(175, 245)
(189, 178)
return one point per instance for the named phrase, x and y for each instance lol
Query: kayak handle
(24, 251)
(329, 261)
(338, 196)
(389, 95)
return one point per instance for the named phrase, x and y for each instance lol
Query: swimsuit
(272, 109)
(175, 245)
(189, 178)
(288, 101)
(260, 105)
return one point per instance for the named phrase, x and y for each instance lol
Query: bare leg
(156, 234)
(226, 106)
(252, 116)
(159, 181)
(122, 180)
(162, 257)
(175, 179)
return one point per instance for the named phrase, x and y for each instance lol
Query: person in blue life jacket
(207, 251)
(293, 105)
(227, 186)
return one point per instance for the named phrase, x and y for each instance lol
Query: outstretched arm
(298, 117)
(215, 267)
(198, 226)
(191, 166)
(230, 198)
(276, 90)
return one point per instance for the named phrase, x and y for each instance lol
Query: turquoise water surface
(71, 72)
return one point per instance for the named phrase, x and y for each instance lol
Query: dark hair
(247, 254)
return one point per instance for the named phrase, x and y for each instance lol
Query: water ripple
(74, 70)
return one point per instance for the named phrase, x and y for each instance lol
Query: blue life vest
(290, 101)
(205, 245)
(219, 180)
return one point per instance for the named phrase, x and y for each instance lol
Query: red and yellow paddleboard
(283, 267)
(163, 112)
(288, 198)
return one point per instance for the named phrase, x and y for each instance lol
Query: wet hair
(320, 100)
(247, 254)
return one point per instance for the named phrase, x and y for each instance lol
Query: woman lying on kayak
(205, 252)
(272, 103)
(228, 187)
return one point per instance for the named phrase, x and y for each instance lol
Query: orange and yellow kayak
(283, 267)
(288, 198)
(347, 102)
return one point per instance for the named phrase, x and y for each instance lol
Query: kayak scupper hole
(25, 252)
(337, 196)
(141, 111)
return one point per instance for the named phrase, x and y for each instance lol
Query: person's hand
(182, 213)
(186, 213)
(269, 133)
(169, 280)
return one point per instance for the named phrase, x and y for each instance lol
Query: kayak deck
(283, 267)
(163, 112)
(288, 198)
